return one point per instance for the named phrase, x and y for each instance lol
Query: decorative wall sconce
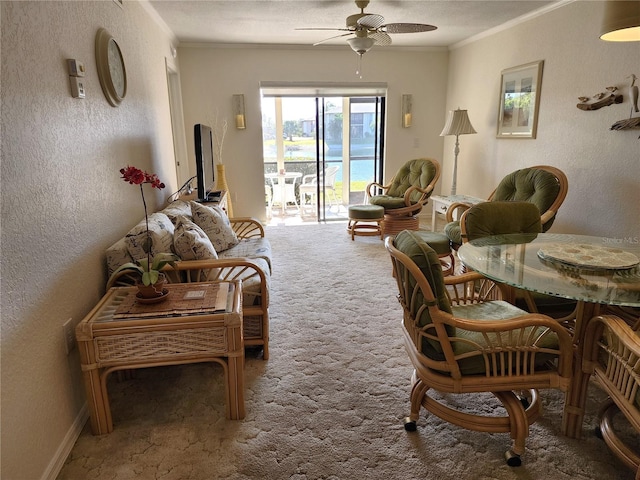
(406, 110)
(238, 111)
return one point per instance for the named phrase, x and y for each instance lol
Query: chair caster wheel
(410, 425)
(513, 459)
(598, 432)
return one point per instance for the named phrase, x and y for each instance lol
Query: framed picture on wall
(519, 101)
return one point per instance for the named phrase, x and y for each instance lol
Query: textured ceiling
(275, 21)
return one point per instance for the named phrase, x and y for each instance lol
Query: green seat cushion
(496, 310)
(388, 202)
(366, 212)
(467, 342)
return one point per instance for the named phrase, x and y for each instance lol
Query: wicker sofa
(240, 251)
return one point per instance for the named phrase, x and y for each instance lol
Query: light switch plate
(76, 67)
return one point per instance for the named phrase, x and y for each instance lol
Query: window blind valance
(309, 89)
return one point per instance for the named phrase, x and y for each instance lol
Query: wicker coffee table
(197, 322)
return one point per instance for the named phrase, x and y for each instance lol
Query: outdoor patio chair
(309, 187)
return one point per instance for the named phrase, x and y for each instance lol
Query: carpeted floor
(328, 404)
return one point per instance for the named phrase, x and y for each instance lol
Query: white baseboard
(57, 462)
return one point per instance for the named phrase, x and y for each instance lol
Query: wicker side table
(119, 334)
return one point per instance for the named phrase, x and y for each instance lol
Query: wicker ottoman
(440, 244)
(365, 220)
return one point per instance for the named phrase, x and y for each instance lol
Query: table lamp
(458, 123)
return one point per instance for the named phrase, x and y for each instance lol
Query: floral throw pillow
(161, 234)
(215, 223)
(177, 208)
(190, 242)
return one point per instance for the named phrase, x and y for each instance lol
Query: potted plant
(149, 268)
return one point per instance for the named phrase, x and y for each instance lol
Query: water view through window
(338, 138)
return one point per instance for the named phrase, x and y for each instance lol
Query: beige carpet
(330, 401)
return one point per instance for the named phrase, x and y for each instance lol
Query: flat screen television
(205, 170)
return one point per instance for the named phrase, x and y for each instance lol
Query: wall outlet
(69, 336)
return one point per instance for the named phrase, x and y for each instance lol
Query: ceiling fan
(369, 29)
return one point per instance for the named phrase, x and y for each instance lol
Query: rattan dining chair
(461, 338)
(612, 354)
(405, 195)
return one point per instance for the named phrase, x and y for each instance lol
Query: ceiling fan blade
(381, 38)
(325, 28)
(408, 27)
(371, 21)
(332, 38)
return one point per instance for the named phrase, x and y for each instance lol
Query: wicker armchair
(255, 282)
(612, 354)
(406, 194)
(461, 339)
(542, 185)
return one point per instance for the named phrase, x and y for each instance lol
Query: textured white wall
(63, 203)
(603, 166)
(211, 75)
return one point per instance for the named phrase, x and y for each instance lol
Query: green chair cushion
(453, 233)
(495, 310)
(498, 218)
(388, 202)
(366, 212)
(438, 241)
(410, 243)
(533, 185)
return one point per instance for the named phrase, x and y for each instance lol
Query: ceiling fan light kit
(369, 29)
(361, 45)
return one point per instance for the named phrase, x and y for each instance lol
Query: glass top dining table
(578, 267)
(594, 271)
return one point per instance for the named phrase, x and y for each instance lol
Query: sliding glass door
(320, 152)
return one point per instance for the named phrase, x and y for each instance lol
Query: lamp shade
(458, 123)
(621, 21)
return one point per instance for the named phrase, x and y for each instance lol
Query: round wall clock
(111, 69)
